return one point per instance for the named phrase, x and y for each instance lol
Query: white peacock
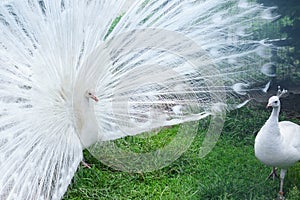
(69, 82)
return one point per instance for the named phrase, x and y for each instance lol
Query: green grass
(229, 171)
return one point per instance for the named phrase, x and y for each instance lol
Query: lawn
(229, 171)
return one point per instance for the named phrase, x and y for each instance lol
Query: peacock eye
(90, 93)
(275, 101)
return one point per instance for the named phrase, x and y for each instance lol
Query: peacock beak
(269, 105)
(94, 98)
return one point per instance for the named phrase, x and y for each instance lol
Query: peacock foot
(86, 165)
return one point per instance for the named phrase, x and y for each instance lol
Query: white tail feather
(37, 161)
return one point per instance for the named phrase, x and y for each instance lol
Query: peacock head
(90, 94)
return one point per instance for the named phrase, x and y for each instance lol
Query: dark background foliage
(286, 35)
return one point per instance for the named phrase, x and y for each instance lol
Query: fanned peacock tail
(43, 44)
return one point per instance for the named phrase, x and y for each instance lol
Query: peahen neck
(275, 115)
(272, 122)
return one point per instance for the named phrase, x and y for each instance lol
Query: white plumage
(277, 144)
(194, 54)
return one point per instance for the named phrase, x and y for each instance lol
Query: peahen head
(274, 102)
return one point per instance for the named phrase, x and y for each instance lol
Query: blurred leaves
(285, 33)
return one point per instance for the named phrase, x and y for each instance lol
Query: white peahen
(277, 144)
(69, 79)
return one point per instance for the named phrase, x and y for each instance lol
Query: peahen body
(70, 80)
(277, 144)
